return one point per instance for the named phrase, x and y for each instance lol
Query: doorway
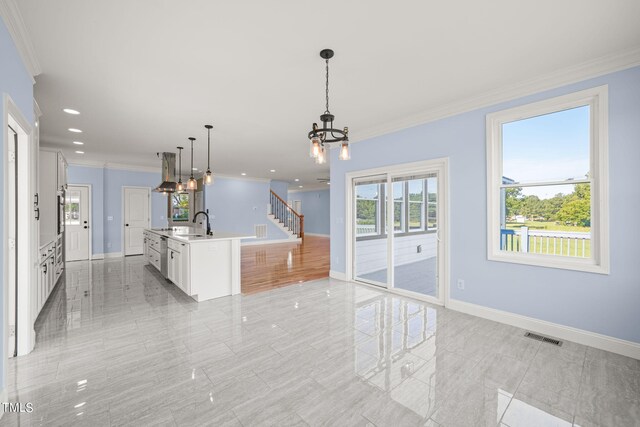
(136, 217)
(77, 218)
(398, 228)
(19, 226)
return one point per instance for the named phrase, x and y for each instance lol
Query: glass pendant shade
(180, 186)
(192, 184)
(208, 177)
(344, 151)
(315, 147)
(322, 156)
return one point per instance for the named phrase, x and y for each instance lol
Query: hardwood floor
(267, 267)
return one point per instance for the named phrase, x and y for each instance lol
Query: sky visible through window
(551, 147)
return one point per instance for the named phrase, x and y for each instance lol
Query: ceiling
(147, 74)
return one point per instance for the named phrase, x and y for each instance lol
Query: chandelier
(321, 136)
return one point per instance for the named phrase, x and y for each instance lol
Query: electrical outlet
(108, 245)
(12, 330)
(460, 284)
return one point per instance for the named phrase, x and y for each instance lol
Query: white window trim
(597, 99)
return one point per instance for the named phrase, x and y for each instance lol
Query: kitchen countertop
(185, 235)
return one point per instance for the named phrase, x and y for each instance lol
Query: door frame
(90, 190)
(123, 210)
(442, 166)
(27, 230)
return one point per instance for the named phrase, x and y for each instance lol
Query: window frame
(170, 200)
(597, 99)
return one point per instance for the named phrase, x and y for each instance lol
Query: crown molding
(597, 67)
(113, 166)
(18, 31)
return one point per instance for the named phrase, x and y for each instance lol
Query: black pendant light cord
(180, 166)
(208, 149)
(191, 139)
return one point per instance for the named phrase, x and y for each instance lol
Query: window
(547, 200)
(180, 207)
(414, 206)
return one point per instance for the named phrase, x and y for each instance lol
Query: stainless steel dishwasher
(164, 265)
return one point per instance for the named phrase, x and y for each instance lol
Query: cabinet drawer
(175, 245)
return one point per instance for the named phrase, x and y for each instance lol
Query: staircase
(283, 215)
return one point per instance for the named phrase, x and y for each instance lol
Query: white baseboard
(580, 336)
(316, 234)
(337, 275)
(270, 242)
(107, 255)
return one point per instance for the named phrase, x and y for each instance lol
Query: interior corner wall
(315, 207)
(16, 82)
(604, 304)
(106, 199)
(237, 205)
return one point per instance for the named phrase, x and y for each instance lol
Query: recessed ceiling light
(79, 152)
(71, 111)
(300, 186)
(296, 180)
(243, 174)
(328, 183)
(78, 143)
(75, 130)
(194, 169)
(272, 170)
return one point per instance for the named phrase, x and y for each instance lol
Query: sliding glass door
(370, 222)
(415, 238)
(397, 221)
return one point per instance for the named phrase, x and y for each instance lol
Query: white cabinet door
(185, 270)
(136, 218)
(171, 266)
(77, 217)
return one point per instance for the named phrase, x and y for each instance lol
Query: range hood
(168, 184)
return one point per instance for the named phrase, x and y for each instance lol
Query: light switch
(109, 218)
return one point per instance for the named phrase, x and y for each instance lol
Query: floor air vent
(543, 338)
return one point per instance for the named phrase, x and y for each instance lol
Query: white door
(297, 206)
(136, 219)
(76, 221)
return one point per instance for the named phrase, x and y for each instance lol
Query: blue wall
(315, 208)
(16, 82)
(106, 198)
(236, 205)
(605, 304)
(280, 188)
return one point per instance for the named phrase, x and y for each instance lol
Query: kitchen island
(202, 266)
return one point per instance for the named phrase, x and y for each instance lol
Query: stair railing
(286, 215)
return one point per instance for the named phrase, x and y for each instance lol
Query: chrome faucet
(209, 233)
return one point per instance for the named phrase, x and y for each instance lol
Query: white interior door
(76, 220)
(136, 219)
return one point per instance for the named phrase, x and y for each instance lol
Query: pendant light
(180, 187)
(326, 133)
(208, 176)
(192, 184)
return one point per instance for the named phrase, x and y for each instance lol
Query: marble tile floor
(117, 345)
